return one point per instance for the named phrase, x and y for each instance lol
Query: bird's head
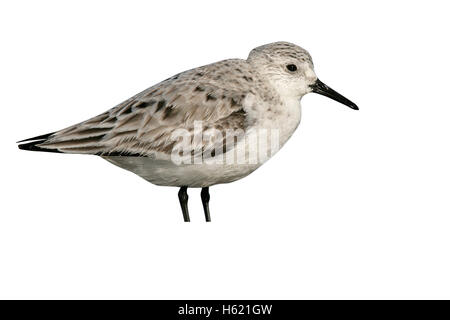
(290, 70)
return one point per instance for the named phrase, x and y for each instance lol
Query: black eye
(291, 67)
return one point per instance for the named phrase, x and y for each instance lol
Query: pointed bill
(321, 88)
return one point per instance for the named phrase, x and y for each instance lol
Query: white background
(356, 205)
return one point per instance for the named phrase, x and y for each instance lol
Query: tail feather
(31, 144)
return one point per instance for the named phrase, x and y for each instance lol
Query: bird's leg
(205, 200)
(183, 196)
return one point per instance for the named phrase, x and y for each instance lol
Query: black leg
(183, 196)
(205, 200)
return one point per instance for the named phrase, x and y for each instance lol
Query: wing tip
(31, 144)
(42, 137)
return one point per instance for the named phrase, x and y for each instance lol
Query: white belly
(167, 173)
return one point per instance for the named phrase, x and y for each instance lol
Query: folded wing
(146, 123)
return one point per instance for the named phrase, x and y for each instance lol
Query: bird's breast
(281, 119)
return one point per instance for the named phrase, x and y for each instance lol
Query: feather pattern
(144, 124)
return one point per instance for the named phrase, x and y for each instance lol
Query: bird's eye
(291, 67)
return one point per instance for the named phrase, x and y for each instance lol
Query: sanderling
(203, 126)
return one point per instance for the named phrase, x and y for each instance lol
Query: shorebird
(232, 103)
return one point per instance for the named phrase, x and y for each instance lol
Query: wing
(146, 123)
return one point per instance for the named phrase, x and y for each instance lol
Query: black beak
(321, 88)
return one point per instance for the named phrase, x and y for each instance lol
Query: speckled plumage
(143, 124)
